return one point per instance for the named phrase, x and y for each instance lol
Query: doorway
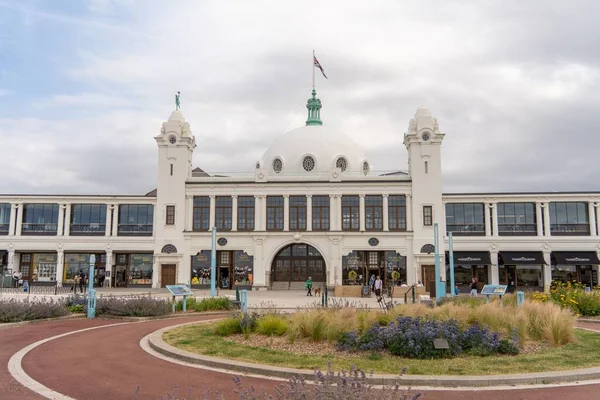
(167, 275)
(428, 279)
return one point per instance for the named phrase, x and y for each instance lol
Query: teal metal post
(244, 300)
(451, 255)
(213, 263)
(91, 309)
(437, 261)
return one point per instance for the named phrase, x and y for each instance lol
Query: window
(366, 168)
(426, 167)
(88, 220)
(465, 219)
(277, 165)
(76, 262)
(225, 258)
(4, 218)
(516, 219)
(350, 213)
(38, 267)
(201, 217)
(170, 216)
(223, 213)
(40, 219)
(569, 219)
(245, 213)
(298, 213)
(427, 215)
(274, 213)
(374, 213)
(308, 163)
(341, 163)
(397, 213)
(320, 213)
(136, 219)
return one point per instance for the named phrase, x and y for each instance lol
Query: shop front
(38, 268)
(469, 265)
(575, 266)
(358, 267)
(521, 270)
(234, 269)
(76, 263)
(132, 270)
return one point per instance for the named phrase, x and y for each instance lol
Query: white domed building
(313, 206)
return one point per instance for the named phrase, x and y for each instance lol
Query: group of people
(376, 284)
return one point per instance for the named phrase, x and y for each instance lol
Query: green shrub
(228, 327)
(139, 306)
(272, 325)
(213, 304)
(76, 309)
(190, 304)
(17, 311)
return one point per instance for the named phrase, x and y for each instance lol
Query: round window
(366, 168)
(277, 165)
(172, 139)
(341, 163)
(308, 163)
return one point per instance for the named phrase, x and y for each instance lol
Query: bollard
(91, 311)
(184, 306)
(520, 298)
(244, 300)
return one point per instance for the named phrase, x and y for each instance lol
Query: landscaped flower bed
(572, 296)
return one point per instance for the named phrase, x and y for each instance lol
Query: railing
(39, 229)
(570, 229)
(466, 230)
(87, 229)
(4, 229)
(39, 288)
(517, 229)
(135, 230)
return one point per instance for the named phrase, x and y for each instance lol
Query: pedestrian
(15, 277)
(75, 283)
(81, 280)
(456, 291)
(474, 287)
(308, 286)
(378, 284)
(372, 282)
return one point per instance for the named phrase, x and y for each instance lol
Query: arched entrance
(294, 264)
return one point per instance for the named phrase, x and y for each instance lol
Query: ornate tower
(314, 110)
(423, 142)
(175, 150)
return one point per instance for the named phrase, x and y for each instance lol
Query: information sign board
(498, 290)
(179, 290)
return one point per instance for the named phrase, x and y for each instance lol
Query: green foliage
(16, 311)
(190, 304)
(139, 306)
(213, 304)
(228, 327)
(272, 325)
(76, 309)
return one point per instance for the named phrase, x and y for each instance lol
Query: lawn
(583, 353)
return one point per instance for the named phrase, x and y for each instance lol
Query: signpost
(91, 311)
(440, 287)
(451, 255)
(494, 290)
(213, 263)
(180, 290)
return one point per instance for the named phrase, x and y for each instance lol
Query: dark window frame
(223, 213)
(32, 225)
(248, 212)
(397, 213)
(170, 215)
(510, 210)
(428, 215)
(567, 227)
(350, 213)
(5, 222)
(465, 219)
(82, 223)
(275, 213)
(374, 213)
(318, 209)
(297, 213)
(144, 220)
(201, 213)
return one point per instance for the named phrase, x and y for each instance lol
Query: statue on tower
(177, 102)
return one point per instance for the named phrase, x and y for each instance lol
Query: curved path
(108, 363)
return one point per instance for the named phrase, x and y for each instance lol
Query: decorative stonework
(373, 241)
(341, 163)
(222, 241)
(428, 248)
(308, 163)
(169, 249)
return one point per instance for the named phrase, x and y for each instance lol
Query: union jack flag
(318, 65)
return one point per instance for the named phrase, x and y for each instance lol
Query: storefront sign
(243, 268)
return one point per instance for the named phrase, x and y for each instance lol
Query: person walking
(378, 285)
(474, 287)
(81, 280)
(372, 283)
(308, 286)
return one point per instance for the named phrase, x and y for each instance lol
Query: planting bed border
(155, 342)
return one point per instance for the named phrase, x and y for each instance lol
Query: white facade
(371, 217)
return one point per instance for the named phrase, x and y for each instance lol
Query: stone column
(67, 231)
(488, 228)
(11, 259)
(211, 217)
(286, 212)
(361, 212)
(20, 209)
(539, 219)
(61, 220)
(263, 212)
(547, 274)
(234, 212)
(309, 212)
(115, 221)
(13, 218)
(107, 230)
(409, 223)
(597, 216)
(547, 219)
(60, 267)
(189, 213)
(257, 209)
(109, 263)
(386, 217)
(495, 219)
(333, 214)
(493, 270)
(592, 218)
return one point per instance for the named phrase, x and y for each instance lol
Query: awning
(575, 258)
(521, 258)
(471, 258)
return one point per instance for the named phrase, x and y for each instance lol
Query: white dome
(318, 142)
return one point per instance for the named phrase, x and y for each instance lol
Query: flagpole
(313, 67)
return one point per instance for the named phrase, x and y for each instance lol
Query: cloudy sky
(85, 86)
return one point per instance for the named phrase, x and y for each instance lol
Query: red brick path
(109, 364)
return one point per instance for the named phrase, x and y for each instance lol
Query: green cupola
(314, 110)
